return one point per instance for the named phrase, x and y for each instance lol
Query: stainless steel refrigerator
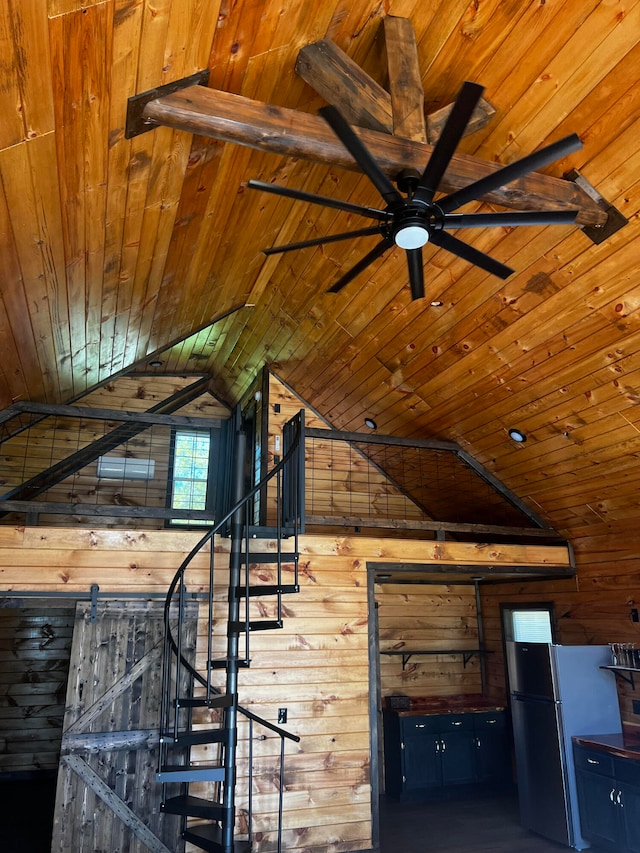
(556, 692)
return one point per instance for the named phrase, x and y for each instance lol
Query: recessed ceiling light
(517, 435)
(437, 304)
(369, 422)
(155, 363)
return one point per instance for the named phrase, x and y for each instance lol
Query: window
(531, 626)
(190, 474)
(529, 623)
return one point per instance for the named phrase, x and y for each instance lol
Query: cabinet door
(421, 766)
(458, 758)
(492, 756)
(599, 814)
(630, 816)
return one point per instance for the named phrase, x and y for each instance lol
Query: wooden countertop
(459, 704)
(615, 744)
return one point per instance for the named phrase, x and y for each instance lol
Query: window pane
(532, 626)
(190, 472)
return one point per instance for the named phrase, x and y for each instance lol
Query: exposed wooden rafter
(234, 118)
(362, 102)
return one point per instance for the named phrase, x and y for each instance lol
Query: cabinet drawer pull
(477, 743)
(444, 745)
(619, 800)
(420, 725)
(611, 793)
(491, 722)
(592, 761)
(457, 723)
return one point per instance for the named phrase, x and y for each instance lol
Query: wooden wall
(34, 663)
(427, 617)
(594, 608)
(316, 666)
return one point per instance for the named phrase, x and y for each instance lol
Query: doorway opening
(35, 647)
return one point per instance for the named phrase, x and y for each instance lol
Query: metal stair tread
(267, 589)
(258, 531)
(193, 807)
(218, 700)
(194, 737)
(209, 837)
(269, 556)
(260, 625)
(221, 663)
(191, 773)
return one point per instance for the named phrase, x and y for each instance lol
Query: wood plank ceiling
(114, 251)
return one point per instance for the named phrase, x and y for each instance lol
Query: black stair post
(231, 713)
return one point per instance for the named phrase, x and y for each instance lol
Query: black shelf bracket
(620, 671)
(466, 654)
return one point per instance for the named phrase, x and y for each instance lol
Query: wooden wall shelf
(467, 654)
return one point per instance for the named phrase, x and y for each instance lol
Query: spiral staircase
(213, 823)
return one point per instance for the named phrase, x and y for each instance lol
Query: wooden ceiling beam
(344, 85)
(233, 118)
(405, 81)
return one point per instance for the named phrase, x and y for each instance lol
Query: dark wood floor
(475, 825)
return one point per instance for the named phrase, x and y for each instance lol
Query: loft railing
(370, 481)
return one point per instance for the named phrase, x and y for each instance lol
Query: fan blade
(362, 264)
(361, 155)
(319, 241)
(445, 147)
(504, 176)
(416, 273)
(300, 195)
(510, 220)
(468, 253)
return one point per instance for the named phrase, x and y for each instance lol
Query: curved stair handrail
(178, 578)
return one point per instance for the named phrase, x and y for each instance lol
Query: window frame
(211, 480)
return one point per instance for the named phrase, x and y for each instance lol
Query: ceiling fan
(414, 219)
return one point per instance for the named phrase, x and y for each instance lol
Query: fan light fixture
(411, 237)
(369, 422)
(517, 435)
(412, 218)
(155, 363)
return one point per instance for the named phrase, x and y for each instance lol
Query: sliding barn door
(107, 796)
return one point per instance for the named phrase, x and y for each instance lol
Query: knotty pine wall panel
(316, 666)
(427, 617)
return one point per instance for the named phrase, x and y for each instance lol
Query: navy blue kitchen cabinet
(435, 754)
(609, 799)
